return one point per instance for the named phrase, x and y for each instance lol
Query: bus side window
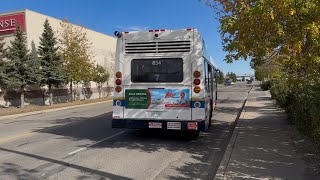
(210, 88)
(206, 75)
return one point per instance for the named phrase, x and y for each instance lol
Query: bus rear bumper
(155, 124)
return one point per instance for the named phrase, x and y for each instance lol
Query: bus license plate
(155, 125)
(174, 125)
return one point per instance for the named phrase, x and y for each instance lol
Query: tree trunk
(22, 96)
(84, 93)
(50, 94)
(71, 91)
(99, 89)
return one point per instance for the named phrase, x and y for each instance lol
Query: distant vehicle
(163, 80)
(229, 82)
(249, 81)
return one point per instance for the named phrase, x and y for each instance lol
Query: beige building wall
(102, 47)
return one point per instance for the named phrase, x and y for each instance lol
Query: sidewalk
(260, 147)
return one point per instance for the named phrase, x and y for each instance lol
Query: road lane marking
(85, 148)
(16, 137)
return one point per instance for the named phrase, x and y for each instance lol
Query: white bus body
(163, 80)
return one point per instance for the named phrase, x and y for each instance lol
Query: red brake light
(118, 82)
(157, 30)
(126, 32)
(196, 81)
(189, 29)
(162, 30)
(150, 30)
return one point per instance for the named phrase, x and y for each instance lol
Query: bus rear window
(157, 70)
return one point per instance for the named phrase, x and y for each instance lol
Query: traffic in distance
(163, 80)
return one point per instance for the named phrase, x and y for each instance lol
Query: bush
(302, 103)
(266, 85)
(280, 92)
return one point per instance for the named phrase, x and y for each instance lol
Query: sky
(107, 16)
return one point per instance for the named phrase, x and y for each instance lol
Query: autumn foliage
(282, 41)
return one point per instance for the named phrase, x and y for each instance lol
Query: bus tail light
(196, 89)
(118, 89)
(196, 74)
(118, 74)
(196, 82)
(118, 82)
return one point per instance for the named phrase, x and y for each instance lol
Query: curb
(51, 110)
(232, 139)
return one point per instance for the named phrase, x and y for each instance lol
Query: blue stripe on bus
(202, 103)
(123, 102)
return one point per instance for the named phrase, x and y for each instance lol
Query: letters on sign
(8, 23)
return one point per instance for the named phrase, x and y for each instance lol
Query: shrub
(302, 103)
(266, 85)
(280, 92)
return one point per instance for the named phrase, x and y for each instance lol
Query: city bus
(163, 80)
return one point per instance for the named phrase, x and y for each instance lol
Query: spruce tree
(51, 63)
(3, 75)
(22, 69)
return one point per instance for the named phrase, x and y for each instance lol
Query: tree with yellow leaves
(75, 48)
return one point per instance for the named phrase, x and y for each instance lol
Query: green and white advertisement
(157, 98)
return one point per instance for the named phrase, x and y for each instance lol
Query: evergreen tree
(102, 76)
(22, 69)
(3, 75)
(51, 63)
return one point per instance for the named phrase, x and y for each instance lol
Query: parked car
(229, 82)
(249, 81)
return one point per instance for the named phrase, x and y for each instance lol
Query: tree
(22, 69)
(3, 65)
(220, 77)
(75, 49)
(51, 62)
(285, 31)
(101, 77)
(231, 75)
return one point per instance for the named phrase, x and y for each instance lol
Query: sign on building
(9, 23)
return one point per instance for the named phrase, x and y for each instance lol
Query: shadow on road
(203, 155)
(12, 169)
(204, 151)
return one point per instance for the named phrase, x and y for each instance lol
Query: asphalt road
(79, 143)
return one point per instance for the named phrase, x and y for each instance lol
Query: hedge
(302, 103)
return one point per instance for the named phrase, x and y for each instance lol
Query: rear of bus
(159, 81)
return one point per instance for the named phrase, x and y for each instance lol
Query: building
(245, 77)
(102, 49)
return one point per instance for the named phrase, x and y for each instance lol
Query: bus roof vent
(158, 47)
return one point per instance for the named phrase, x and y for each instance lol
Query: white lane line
(84, 148)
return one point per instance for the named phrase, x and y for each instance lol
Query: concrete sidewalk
(260, 147)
